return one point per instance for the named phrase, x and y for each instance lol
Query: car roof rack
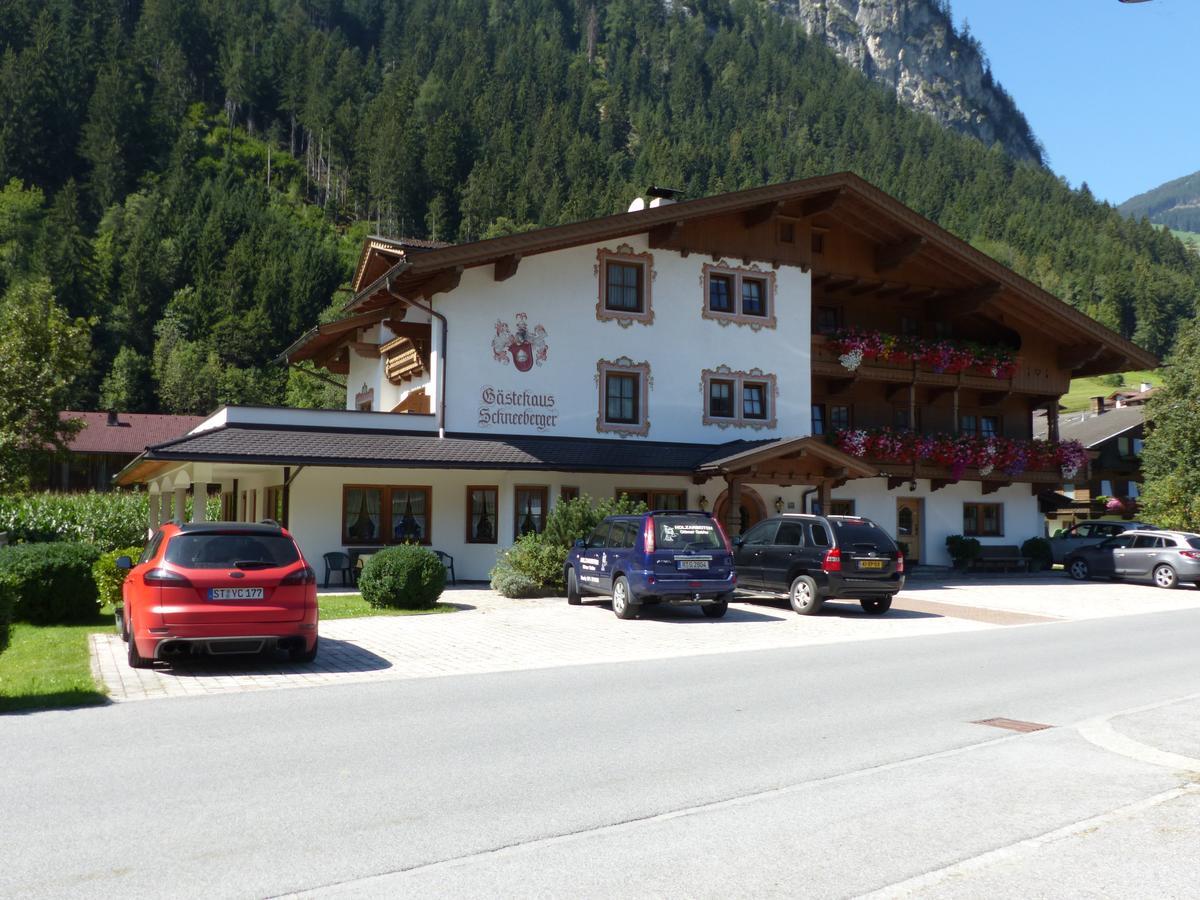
(218, 527)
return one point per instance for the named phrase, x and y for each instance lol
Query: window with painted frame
(741, 296)
(482, 506)
(755, 399)
(739, 399)
(624, 277)
(720, 398)
(983, 519)
(529, 509)
(624, 392)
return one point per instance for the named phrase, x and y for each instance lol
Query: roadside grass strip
(48, 667)
(353, 606)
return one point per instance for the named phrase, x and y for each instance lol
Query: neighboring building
(736, 353)
(107, 442)
(1113, 437)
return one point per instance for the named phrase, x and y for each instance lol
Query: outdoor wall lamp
(778, 504)
(703, 501)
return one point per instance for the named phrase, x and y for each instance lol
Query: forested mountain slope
(197, 176)
(1175, 204)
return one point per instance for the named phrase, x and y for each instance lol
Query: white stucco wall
(559, 292)
(943, 511)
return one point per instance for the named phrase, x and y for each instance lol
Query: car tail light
(724, 536)
(648, 534)
(305, 575)
(899, 561)
(832, 561)
(1190, 554)
(166, 578)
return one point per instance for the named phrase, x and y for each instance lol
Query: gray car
(1165, 557)
(1087, 533)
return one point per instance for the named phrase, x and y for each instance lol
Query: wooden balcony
(1030, 378)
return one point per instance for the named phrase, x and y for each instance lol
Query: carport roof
(339, 447)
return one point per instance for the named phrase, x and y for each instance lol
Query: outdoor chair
(338, 562)
(448, 562)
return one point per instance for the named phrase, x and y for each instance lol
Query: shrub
(403, 577)
(8, 600)
(52, 583)
(531, 567)
(109, 578)
(111, 520)
(1037, 551)
(570, 520)
(962, 549)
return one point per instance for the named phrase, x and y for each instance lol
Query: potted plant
(1037, 551)
(962, 550)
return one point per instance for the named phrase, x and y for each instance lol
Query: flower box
(854, 347)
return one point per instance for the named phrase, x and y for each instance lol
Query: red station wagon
(218, 588)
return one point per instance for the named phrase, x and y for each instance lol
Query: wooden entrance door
(908, 527)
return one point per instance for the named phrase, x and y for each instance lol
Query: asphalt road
(825, 771)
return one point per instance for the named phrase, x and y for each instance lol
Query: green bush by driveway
(404, 577)
(52, 583)
(109, 578)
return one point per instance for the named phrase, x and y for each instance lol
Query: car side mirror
(580, 544)
(124, 562)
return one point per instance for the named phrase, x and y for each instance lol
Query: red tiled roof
(132, 433)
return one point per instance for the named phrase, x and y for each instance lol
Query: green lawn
(1084, 389)
(48, 667)
(353, 606)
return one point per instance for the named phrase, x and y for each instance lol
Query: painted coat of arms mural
(520, 345)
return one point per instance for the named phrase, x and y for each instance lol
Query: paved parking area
(492, 634)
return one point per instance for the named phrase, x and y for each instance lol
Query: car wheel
(715, 610)
(1165, 577)
(305, 656)
(122, 628)
(876, 606)
(622, 600)
(803, 596)
(136, 660)
(573, 595)
(1078, 569)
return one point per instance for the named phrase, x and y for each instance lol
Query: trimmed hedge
(52, 583)
(8, 600)
(111, 520)
(403, 577)
(109, 578)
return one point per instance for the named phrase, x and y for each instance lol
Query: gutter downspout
(442, 362)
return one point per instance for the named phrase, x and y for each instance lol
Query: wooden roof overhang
(912, 258)
(806, 460)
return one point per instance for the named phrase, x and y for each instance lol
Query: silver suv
(1165, 557)
(1087, 533)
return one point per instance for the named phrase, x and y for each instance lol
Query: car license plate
(693, 563)
(870, 563)
(247, 593)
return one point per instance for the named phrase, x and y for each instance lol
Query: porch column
(1052, 420)
(154, 510)
(823, 492)
(164, 506)
(199, 501)
(180, 505)
(733, 509)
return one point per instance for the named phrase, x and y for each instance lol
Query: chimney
(112, 418)
(1098, 405)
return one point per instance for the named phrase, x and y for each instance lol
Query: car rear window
(224, 549)
(686, 533)
(1194, 542)
(855, 534)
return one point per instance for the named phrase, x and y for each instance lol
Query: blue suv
(664, 556)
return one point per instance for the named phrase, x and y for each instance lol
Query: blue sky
(1111, 89)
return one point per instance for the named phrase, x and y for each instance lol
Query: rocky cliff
(913, 48)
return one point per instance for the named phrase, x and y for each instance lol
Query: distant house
(1113, 436)
(107, 442)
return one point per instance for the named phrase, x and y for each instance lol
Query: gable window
(741, 296)
(983, 519)
(624, 292)
(481, 514)
(742, 399)
(624, 387)
(529, 510)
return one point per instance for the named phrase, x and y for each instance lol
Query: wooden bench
(1000, 556)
